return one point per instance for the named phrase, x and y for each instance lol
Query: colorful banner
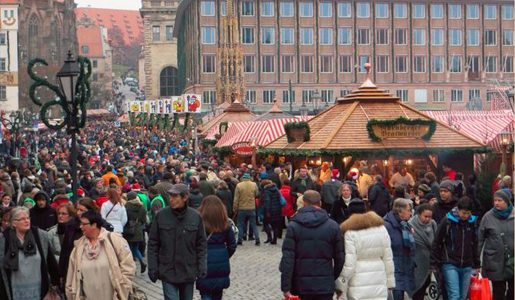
(146, 106)
(160, 107)
(168, 106)
(193, 103)
(188, 103)
(177, 104)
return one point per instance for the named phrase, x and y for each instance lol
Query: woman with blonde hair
(221, 245)
(113, 211)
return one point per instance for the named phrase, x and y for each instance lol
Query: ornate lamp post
(72, 95)
(315, 98)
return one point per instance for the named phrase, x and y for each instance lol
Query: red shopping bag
(293, 298)
(479, 288)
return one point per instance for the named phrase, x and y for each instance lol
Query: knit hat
(130, 174)
(132, 195)
(246, 176)
(263, 175)
(336, 172)
(357, 206)
(430, 196)
(448, 185)
(424, 188)
(504, 194)
(194, 184)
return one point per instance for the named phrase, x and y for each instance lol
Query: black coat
(312, 253)
(227, 200)
(296, 186)
(45, 217)
(275, 179)
(136, 215)
(195, 198)
(440, 209)
(339, 211)
(271, 202)
(379, 198)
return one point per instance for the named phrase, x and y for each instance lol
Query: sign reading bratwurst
(401, 128)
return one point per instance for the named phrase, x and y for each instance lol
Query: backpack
(130, 227)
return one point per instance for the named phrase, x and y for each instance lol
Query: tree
(115, 34)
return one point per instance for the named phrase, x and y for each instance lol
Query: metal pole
(290, 96)
(75, 184)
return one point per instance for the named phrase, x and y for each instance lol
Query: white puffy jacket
(117, 216)
(369, 270)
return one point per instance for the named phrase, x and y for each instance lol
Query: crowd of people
(149, 201)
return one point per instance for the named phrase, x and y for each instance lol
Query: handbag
(508, 258)
(52, 294)
(479, 288)
(390, 295)
(283, 200)
(130, 227)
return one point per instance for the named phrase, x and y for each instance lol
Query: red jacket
(288, 208)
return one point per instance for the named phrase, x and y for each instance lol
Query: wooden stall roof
(274, 113)
(344, 126)
(236, 112)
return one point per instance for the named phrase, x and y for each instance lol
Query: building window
(247, 35)
(363, 59)
(382, 36)
(363, 9)
(473, 63)
(490, 11)
(287, 35)
(344, 93)
(455, 64)
(2, 64)
(345, 64)
(287, 96)
(307, 96)
(223, 8)
(436, 11)
(287, 62)
(85, 49)
(490, 37)
(327, 96)
(363, 36)
(489, 95)
(250, 96)
(95, 63)
(267, 35)
(207, 8)
(306, 63)
(248, 64)
(439, 95)
(419, 64)
(419, 36)
(420, 96)
(437, 37)
(209, 97)
(326, 36)
(401, 64)
(400, 36)
(306, 9)
(286, 9)
(419, 11)
(507, 12)
(208, 35)
(507, 37)
(326, 64)
(455, 37)
(156, 34)
(326, 9)
(381, 10)
(383, 64)
(2, 39)
(267, 9)
(3, 93)
(456, 95)
(344, 9)
(474, 94)
(491, 64)
(401, 10)
(438, 63)
(473, 37)
(247, 8)
(454, 11)
(508, 64)
(268, 96)
(169, 82)
(344, 36)
(472, 11)
(402, 94)
(169, 33)
(306, 35)
(268, 64)
(209, 63)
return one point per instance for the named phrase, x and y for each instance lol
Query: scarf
(503, 214)
(93, 252)
(408, 241)
(303, 181)
(14, 246)
(346, 201)
(424, 232)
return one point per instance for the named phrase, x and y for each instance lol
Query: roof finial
(368, 82)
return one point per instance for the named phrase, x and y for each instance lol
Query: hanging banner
(146, 106)
(193, 103)
(153, 107)
(160, 107)
(135, 107)
(168, 106)
(128, 106)
(141, 106)
(177, 104)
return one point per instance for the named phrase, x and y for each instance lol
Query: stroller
(434, 290)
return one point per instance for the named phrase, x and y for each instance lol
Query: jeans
(457, 281)
(502, 290)
(178, 291)
(398, 294)
(316, 297)
(272, 229)
(135, 251)
(243, 216)
(215, 295)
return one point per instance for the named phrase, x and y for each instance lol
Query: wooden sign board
(400, 131)
(242, 149)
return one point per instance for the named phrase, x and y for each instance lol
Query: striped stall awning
(231, 126)
(484, 126)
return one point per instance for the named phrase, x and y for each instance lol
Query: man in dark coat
(273, 176)
(164, 186)
(446, 201)
(331, 191)
(206, 188)
(313, 254)
(302, 183)
(379, 197)
(42, 215)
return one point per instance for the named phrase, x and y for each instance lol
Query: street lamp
(72, 94)
(504, 141)
(315, 97)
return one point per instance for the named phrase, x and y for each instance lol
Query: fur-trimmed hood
(361, 221)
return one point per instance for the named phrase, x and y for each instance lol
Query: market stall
(236, 112)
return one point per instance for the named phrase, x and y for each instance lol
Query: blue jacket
(312, 253)
(220, 247)
(403, 257)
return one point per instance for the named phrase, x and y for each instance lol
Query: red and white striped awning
(484, 126)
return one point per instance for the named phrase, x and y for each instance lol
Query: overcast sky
(117, 4)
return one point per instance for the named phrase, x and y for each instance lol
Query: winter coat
(45, 217)
(288, 209)
(495, 239)
(312, 253)
(271, 203)
(226, 197)
(8, 187)
(163, 187)
(440, 209)
(116, 215)
(136, 218)
(368, 271)
(206, 188)
(379, 198)
(296, 186)
(424, 236)
(108, 176)
(339, 211)
(245, 195)
(456, 242)
(54, 240)
(177, 246)
(195, 198)
(121, 266)
(220, 247)
(403, 257)
(331, 191)
(275, 179)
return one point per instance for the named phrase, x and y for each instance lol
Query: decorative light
(385, 162)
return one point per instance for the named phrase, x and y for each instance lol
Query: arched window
(169, 82)
(33, 36)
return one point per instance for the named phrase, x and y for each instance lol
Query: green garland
(186, 120)
(223, 125)
(221, 150)
(297, 125)
(401, 120)
(208, 142)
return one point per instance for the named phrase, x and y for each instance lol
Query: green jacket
(146, 204)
